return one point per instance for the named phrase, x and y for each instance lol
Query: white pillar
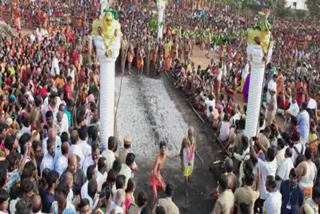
(255, 57)
(107, 87)
(161, 5)
(103, 5)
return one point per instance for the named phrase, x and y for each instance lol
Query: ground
(202, 181)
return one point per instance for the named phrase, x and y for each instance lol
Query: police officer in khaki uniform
(127, 140)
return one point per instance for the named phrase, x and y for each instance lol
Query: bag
(300, 156)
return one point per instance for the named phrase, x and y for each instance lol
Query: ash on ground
(147, 112)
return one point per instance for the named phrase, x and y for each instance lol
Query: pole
(161, 5)
(107, 85)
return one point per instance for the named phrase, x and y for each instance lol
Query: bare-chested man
(156, 180)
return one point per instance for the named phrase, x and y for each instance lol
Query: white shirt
(76, 149)
(57, 143)
(294, 109)
(86, 163)
(84, 189)
(86, 148)
(126, 171)
(209, 103)
(63, 126)
(285, 168)
(101, 178)
(273, 203)
(70, 195)
(266, 169)
(61, 165)
(55, 67)
(47, 162)
(110, 156)
(312, 104)
(294, 153)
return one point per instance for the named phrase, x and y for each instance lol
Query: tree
(314, 7)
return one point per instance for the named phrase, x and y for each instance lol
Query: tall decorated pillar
(106, 37)
(161, 5)
(259, 52)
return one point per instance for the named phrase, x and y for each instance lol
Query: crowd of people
(51, 158)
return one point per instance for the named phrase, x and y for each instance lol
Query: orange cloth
(166, 64)
(154, 182)
(307, 192)
(139, 63)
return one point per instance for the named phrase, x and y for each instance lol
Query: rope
(121, 80)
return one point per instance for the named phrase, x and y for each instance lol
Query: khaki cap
(127, 139)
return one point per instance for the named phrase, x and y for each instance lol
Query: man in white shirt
(210, 101)
(167, 202)
(55, 70)
(83, 135)
(273, 200)
(49, 159)
(52, 135)
(266, 168)
(294, 107)
(129, 167)
(62, 162)
(312, 107)
(91, 173)
(109, 153)
(102, 173)
(61, 123)
(92, 159)
(272, 86)
(285, 167)
(76, 148)
(298, 148)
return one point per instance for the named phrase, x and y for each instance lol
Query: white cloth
(273, 203)
(84, 190)
(86, 163)
(12, 205)
(86, 148)
(312, 104)
(70, 196)
(25, 130)
(294, 153)
(55, 67)
(294, 108)
(245, 72)
(47, 162)
(285, 168)
(126, 171)
(76, 149)
(310, 205)
(57, 143)
(61, 165)
(224, 131)
(209, 103)
(101, 178)
(266, 169)
(110, 156)
(63, 126)
(272, 85)
(311, 172)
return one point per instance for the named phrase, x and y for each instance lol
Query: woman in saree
(17, 19)
(302, 96)
(246, 89)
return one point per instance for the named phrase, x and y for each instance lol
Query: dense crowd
(51, 157)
